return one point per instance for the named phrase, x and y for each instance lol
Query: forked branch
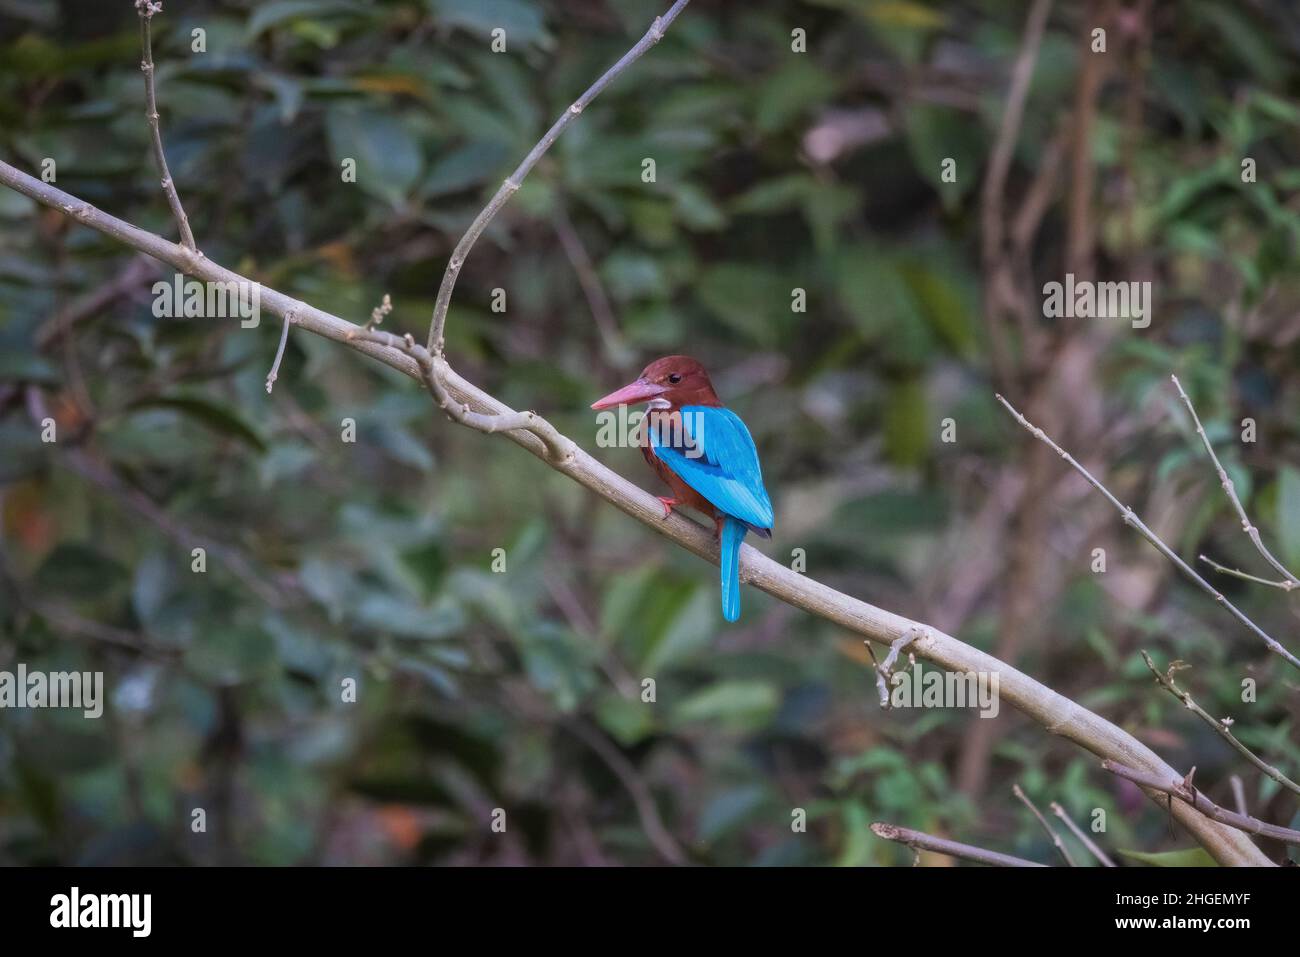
(1133, 519)
(1289, 580)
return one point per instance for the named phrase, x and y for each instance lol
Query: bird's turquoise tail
(733, 533)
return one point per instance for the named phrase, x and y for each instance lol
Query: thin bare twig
(601, 311)
(435, 343)
(1289, 580)
(1239, 794)
(85, 465)
(146, 9)
(279, 352)
(1245, 576)
(941, 845)
(132, 276)
(1082, 835)
(885, 670)
(1131, 518)
(1188, 793)
(1222, 726)
(656, 832)
(430, 358)
(1051, 832)
(1001, 289)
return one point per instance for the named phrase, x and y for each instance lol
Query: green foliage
(374, 561)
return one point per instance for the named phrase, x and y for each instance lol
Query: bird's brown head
(667, 383)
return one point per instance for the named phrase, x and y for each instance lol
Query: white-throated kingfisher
(705, 454)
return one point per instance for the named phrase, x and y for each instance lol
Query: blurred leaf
(230, 654)
(797, 86)
(1191, 857)
(727, 811)
(382, 612)
(79, 570)
(388, 157)
(1288, 513)
(523, 22)
(907, 424)
(220, 418)
(278, 12)
(936, 134)
(733, 704)
(628, 720)
(749, 298)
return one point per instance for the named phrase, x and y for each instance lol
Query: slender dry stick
(992, 224)
(597, 300)
(1188, 793)
(1290, 581)
(1058, 714)
(279, 352)
(1051, 832)
(656, 831)
(1245, 576)
(93, 471)
(941, 845)
(1131, 518)
(131, 278)
(1239, 794)
(1082, 835)
(516, 179)
(885, 670)
(1222, 727)
(146, 9)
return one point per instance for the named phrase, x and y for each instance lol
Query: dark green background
(520, 690)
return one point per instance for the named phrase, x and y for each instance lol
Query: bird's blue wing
(720, 462)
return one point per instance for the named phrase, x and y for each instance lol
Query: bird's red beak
(638, 391)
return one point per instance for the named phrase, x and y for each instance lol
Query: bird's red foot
(667, 503)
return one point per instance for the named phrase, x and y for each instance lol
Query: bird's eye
(674, 378)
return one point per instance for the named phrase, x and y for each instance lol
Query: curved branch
(146, 9)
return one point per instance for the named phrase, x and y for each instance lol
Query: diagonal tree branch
(1131, 518)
